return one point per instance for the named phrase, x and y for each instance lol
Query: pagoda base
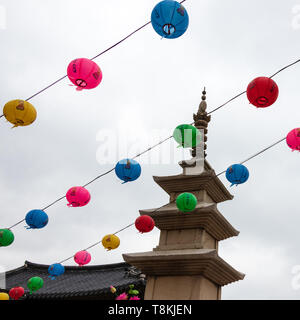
(181, 288)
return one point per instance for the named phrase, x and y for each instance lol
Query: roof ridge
(29, 264)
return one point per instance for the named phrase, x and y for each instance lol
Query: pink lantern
(82, 258)
(293, 139)
(78, 197)
(122, 296)
(84, 73)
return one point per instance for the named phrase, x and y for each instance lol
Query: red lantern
(16, 293)
(262, 92)
(293, 139)
(144, 223)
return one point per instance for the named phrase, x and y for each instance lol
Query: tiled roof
(77, 282)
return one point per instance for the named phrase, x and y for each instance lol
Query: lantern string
(16, 224)
(224, 104)
(98, 55)
(93, 245)
(138, 155)
(285, 68)
(49, 86)
(100, 176)
(131, 224)
(240, 94)
(256, 154)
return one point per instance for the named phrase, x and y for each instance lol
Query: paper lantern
(186, 202)
(110, 242)
(262, 92)
(169, 19)
(187, 136)
(78, 197)
(128, 170)
(144, 223)
(237, 174)
(34, 284)
(19, 112)
(16, 293)
(133, 291)
(122, 296)
(4, 296)
(84, 73)
(82, 258)
(36, 219)
(56, 270)
(293, 139)
(113, 289)
(6, 237)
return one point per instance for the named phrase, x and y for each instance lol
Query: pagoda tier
(185, 262)
(207, 181)
(206, 216)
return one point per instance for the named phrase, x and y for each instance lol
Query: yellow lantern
(19, 112)
(4, 296)
(110, 242)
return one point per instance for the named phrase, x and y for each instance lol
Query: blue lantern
(36, 219)
(56, 270)
(237, 174)
(128, 170)
(169, 19)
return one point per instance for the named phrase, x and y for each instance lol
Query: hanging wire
(240, 94)
(131, 224)
(284, 68)
(128, 226)
(96, 56)
(138, 155)
(256, 154)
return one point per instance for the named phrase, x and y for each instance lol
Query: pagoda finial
(201, 120)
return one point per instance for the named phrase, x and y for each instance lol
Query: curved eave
(186, 183)
(205, 216)
(204, 262)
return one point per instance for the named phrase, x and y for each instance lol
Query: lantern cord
(95, 244)
(240, 94)
(132, 33)
(53, 203)
(2, 116)
(285, 68)
(50, 85)
(138, 155)
(224, 104)
(150, 148)
(100, 176)
(98, 55)
(16, 224)
(256, 154)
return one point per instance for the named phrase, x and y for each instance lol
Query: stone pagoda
(185, 265)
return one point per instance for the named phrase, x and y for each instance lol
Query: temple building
(185, 265)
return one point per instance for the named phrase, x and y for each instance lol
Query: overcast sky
(150, 85)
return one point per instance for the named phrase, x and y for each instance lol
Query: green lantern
(6, 237)
(34, 284)
(186, 202)
(133, 291)
(187, 136)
